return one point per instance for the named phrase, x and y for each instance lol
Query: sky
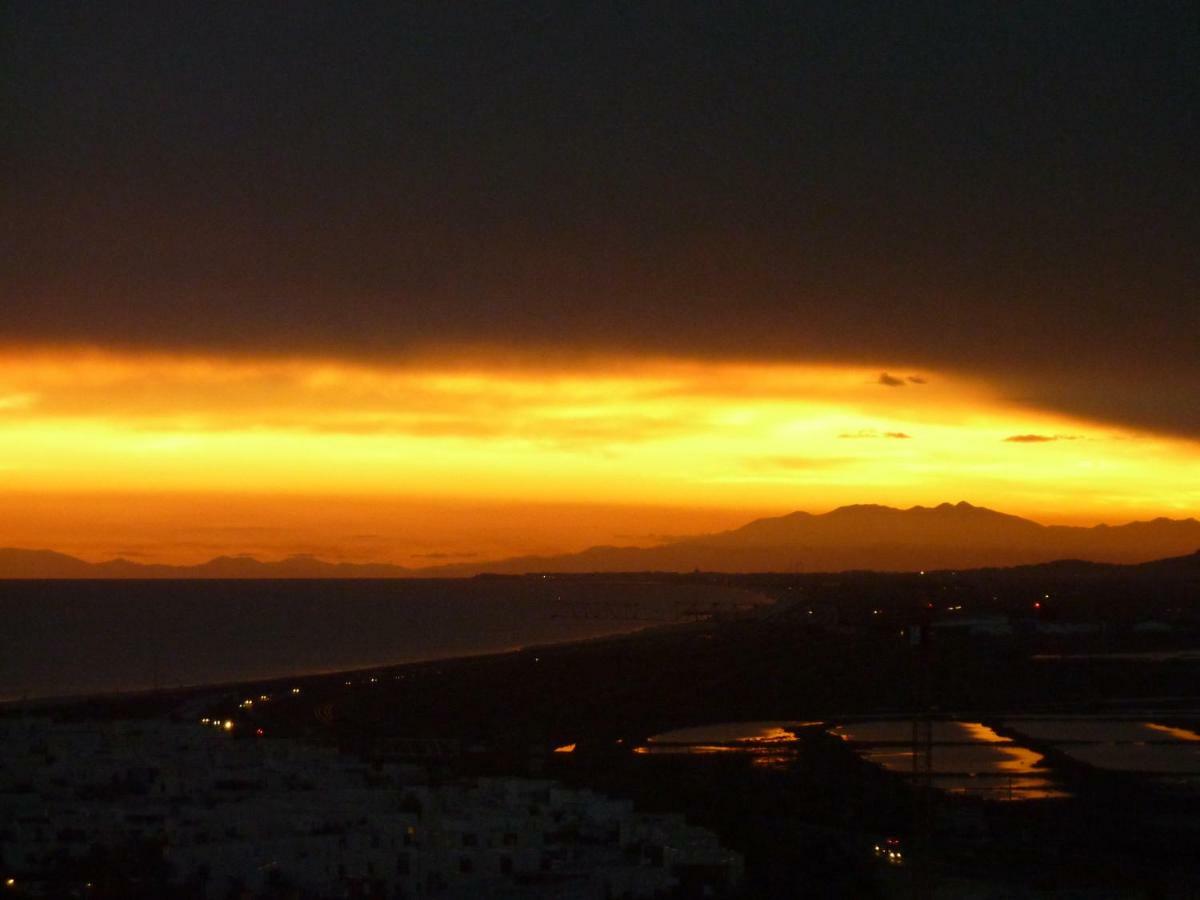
(430, 281)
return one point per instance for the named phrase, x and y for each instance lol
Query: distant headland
(860, 537)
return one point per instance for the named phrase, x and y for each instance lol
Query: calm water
(766, 744)
(968, 757)
(965, 758)
(729, 732)
(981, 759)
(1099, 731)
(1125, 746)
(1165, 759)
(70, 637)
(889, 731)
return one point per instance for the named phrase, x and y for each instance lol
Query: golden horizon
(690, 445)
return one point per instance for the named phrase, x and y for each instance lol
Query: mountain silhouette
(949, 536)
(17, 563)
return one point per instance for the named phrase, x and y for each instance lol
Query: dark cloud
(917, 379)
(897, 434)
(890, 380)
(1006, 191)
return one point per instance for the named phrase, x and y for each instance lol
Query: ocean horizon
(68, 638)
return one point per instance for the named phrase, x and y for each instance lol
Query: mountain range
(949, 536)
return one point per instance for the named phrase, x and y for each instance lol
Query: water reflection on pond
(1004, 788)
(966, 758)
(768, 744)
(1118, 745)
(1178, 759)
(774, 756)
(900, 731)
(731, 732)
(1098, 730)
(1177, 734)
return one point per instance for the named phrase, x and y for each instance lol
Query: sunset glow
(513, 396)
(631, 432)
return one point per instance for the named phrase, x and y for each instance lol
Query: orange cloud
(647, 433)
(1038, 438)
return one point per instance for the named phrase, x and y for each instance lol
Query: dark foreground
(806, 822)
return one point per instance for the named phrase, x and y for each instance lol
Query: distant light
(295, 690)
(565, 748)
(10, 882)
(228, 725)
(259, 732)
(1037, 604)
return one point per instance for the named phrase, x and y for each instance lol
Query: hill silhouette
(18, 563)
(859, 537)
(948, 536)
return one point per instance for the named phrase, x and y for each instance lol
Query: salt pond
(1118, 745)
(1098, 731)
(900, 731)
(966, 758)
(769, 744)
(731, 732)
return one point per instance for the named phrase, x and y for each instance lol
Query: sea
(73, 638)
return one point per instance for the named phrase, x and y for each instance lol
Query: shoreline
(190, 691)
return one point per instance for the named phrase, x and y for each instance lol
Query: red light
(1037, 604)
(259, 732)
